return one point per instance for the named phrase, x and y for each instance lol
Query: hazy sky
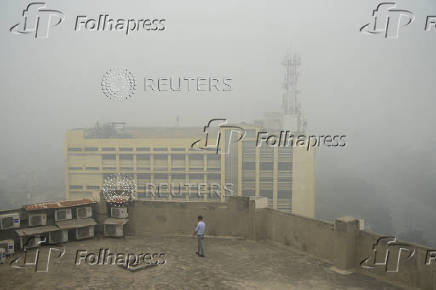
(379, 92)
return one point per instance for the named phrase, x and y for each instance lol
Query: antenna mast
(290, 104)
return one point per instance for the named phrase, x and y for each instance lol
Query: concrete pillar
(100, 213)
(346, 233)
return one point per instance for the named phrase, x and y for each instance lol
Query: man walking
(199, 231)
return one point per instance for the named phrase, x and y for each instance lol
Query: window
(160, 149)
(92, 168)
(212, 176)
(109, 157)
(196, 157)
(177, 149)
(74, 149)
(93, 187)
(143, 176)
(285, 166)
(194, 176)
(126, 149)
(249, 165)
(266, 165)
(178, 176)
(159, 177)
(108, 149)
(75, 168)
(142, 157)
(126, 157)
(161, 157)
(143, 149)
(91, 148)
(76, 187)
(178, 157)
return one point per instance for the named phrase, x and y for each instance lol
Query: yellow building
(163, 164)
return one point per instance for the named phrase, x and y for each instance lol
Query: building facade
(164, 165)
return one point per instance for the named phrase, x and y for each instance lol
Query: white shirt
(201, 227)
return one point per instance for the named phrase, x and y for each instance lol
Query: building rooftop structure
(229, 264)
(247, 247)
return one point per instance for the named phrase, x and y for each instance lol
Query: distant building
(157, 157)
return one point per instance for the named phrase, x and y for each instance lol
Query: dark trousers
(200, 245)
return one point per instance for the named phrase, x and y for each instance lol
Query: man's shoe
(197, 253)
(203, 256)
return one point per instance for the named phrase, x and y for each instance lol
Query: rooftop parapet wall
(233, 218)
(341, 243)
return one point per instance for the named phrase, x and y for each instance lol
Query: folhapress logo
(38, 20)
(387, 253)
(202, 144)
(388, 20)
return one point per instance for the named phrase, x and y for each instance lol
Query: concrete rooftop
(229, 264)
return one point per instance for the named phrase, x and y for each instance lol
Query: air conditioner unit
(113, 230)
(84, 212)
(33, 242)
(2, 256)
(8, 245)
(63, 214)
(10, 221)
(37, 219)
(85, 232)
(119, 212)
(57, 237)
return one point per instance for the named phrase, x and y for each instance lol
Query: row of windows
(286, 166)
(156, 157)
(165, 176)
(107, 168)
(75, 149)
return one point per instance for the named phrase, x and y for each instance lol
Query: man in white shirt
(199, 231)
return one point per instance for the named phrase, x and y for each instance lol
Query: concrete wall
(341, 243)
(312, 236)
(233, 218)
(413, 273)
(303, 182)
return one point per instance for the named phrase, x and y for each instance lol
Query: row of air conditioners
(66, 213)
(8, 247)
(12, 221)
(59, 236)
(113, 230)
(119, 212)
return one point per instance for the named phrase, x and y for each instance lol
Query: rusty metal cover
(58, 204)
